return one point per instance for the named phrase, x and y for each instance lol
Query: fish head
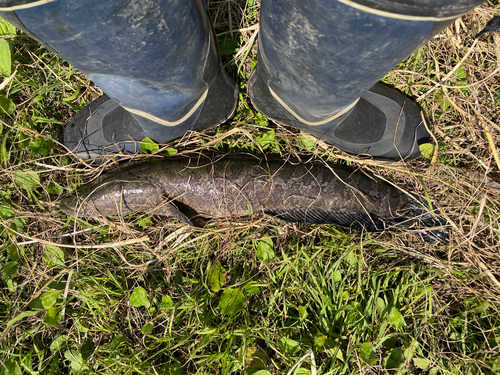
(77, 207)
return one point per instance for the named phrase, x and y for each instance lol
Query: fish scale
(236, 185)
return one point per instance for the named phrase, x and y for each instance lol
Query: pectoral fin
(169, 210)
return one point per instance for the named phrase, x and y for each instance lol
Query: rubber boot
(319, 62)
(156, 61)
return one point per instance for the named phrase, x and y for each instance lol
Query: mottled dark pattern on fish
(237, 185)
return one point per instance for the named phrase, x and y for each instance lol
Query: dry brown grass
(467, 134)
(461, 177)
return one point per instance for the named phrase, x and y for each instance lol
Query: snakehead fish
(238, 185)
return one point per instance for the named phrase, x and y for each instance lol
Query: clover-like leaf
(139, 297)
(216, 276)
(251, 288)
(147, 328)
(148, 146)
(395, 318)
(232, 301)
(367, 353)
(265, 249)
(289, 346)
(50, 298)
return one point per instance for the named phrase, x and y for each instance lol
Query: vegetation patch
(139, 294)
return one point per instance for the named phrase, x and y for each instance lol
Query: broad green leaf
(53, 317)
(37, 304)
(260, 119)
(41, 146)
(253, 64)
(147, 328)
(367, 353)
(302, 371)
(7, 105)
(6, 212)
(81, 328)
(395, 318)
(59, 343)
(54, 188)
(116, 342)
(308, 143)
(166, 302)
(352, 259)
(20, 316)
(464, 85)
(76, 360)
(381, 307)
(11, 285)
(394, 360)
(391, 341)
(24, 140)
(216, 276)
(333, 348)
(14, 253)
(337, 276)
(266, 139)
(320, 341)
(410, 350)
(38, 98)
(12, 367)
(427, 150)
(148, 146)
(421, 363)
(255, 358)
(139, 297)
(87, 349)
(6, 28)
(303, 312)
(10, 269)
(50, 298)
(227, 46)
(53, 255)
(251, 288)
(169, 152)
(27, 179)
(265, 250)
(5, 59)
(289, 346)
(445, 104)
(232, 301)
(460, 73)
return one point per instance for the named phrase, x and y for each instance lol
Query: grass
(141, 295)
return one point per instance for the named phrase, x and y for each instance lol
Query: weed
(141, 295)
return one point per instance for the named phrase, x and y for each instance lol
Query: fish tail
(427, 223)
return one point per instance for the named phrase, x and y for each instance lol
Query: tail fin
(427, 223)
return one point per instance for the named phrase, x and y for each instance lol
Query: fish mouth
(73, 207)
(69, 206)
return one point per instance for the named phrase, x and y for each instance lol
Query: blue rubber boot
(319, 62)
(157, 62)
